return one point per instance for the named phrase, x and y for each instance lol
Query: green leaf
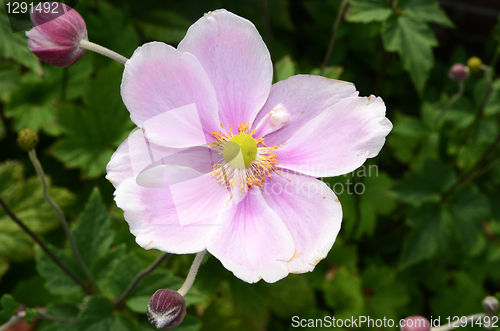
(364, 11)
(332, 72)
(287, 303)
(426, 10)
(387, 295)
(9, 307)
(93, 133)
(469, 208)
(124, 322)
(425, 186)
(92, 233)
(15, 45)
(413, 40)
(30, 315)
(284, 68)
(344, 294)
(9, 80)
(164, 25)
(123, 272)
(138, 304)
(25, 199)
(97, 315)
(57, 281)
(430, 224)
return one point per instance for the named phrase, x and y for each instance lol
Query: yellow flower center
(240, 151)
(247, 160)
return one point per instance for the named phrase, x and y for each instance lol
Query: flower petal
(137, 153)
(179, 127)
(252, 241)
(153, 214)
(159, 78)
(312, 214)
(339, 140)
(303, 97)
(237, 61)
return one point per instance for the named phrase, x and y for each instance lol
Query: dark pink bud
(416, 323)
(166, 309)
(458, 72)
(56, 34)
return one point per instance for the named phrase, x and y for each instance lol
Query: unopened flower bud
(27, 139)
(490, 304)
(458, 72)
(475, 64)
(416, 323)
(166, 309)
(56, 34)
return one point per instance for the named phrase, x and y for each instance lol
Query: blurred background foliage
(422, 238)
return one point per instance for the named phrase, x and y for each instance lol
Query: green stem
(44, 247)
(139, 276)
(62, 218)
(450, 103)
(333, 37)
(64, 83)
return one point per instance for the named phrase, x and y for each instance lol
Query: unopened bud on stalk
(475, 64)
(490, 304)
(27, 139)
(416, 323)
(56, 34)
(458, 72)
(166, 309)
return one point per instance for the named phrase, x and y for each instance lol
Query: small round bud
(56, 34)
(27, 139)
(490, 304)
(475, 64)
(166, 309)
(458, 72)
(416, 323)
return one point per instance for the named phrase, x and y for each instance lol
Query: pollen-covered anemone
(225, 161)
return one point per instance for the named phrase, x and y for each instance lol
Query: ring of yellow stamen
(246, 162)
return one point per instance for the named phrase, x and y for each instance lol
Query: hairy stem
(139, 276)
(60, 214)
(44, 247)
(192, 273)
(103, 51)
(333, 37)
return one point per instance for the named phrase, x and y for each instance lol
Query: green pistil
(240, 151)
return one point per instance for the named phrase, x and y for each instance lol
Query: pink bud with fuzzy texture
(166, 309)
(458, 72)
(416, 323)
(56, 34)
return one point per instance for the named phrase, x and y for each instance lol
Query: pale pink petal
(303, 97)
(136, 154)
(180, 127)
(237, 61)
(252, 241)
(339, 140)
(153, 215)
(311, 212)
(159, 78)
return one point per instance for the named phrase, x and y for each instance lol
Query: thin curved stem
(334, 36)
(62, 218)
(192, 273)
(139, 276)
(44, 247)
(103, 51)
(450, 103)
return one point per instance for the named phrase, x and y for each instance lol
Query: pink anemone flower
(225, 161)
